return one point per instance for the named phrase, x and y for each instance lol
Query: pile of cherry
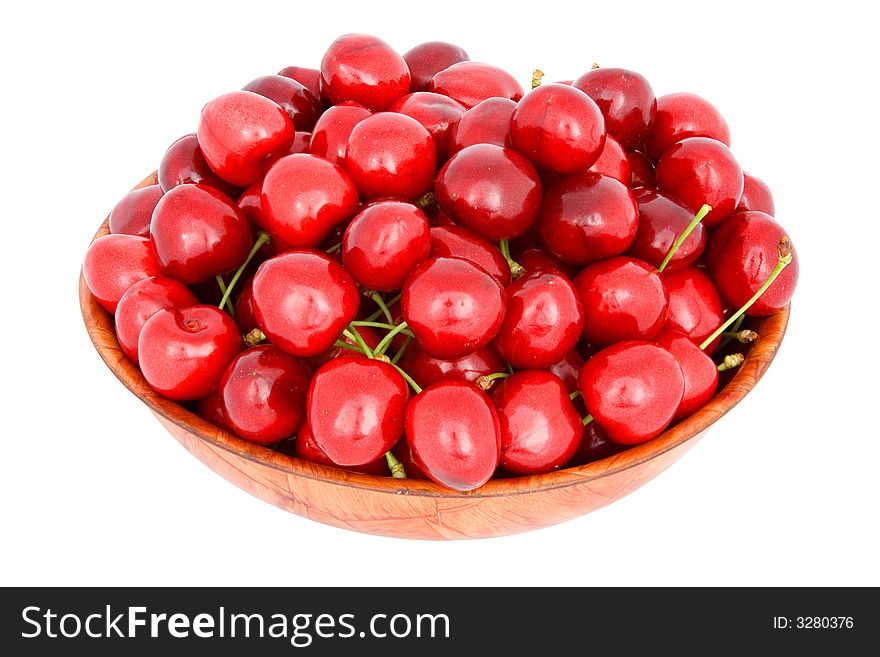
(407, 265)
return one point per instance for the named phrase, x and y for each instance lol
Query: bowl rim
(100, 326)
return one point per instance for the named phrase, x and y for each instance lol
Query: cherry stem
(733, 328)
(415, 386)
(222, 285)
(386, 341)
(731, 361)
(706, 209)
(402, 350)
(396, 467)
(785, 257)
(586, 420)
(254, 337)
(745, 336)
(575, 395)
(427, 201)
(379, 301)
(383, 325)
(262, 239)
(348, 345)
(383, 308)
(536, 78)
(333, 249)
(352, 334)
(516, 269)
(486, 381)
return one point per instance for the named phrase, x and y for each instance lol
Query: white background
(782, 491)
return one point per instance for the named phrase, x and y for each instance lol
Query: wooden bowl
(419, 509)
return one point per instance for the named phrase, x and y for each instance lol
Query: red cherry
(500, 206)
(661, 221)
(540, 428)
(364, 69)
(537, 258)
(641, 170)
(487, 122)
(700, 170)
(245, 315)
(756, 196)
(626, 100)
(632, 389)
(310, 78)
(250, 204)
(437, 114)
(623, 299)
(472, 82)
(567, 369)
(184, 351)
(301, 143)
(383, 244)
(306, 448)
(594, 446)
(699, 372)
(183, 163)
(459, 450)
(368, 335)
(241, 134)
(427, 59)
(452, 306)
(263, 394)
(558, 128)
(140, 302)
(304, 197)
(198, 233)
(588, 217)
(542, 323)
(131, 215)
(302, 301)
(209, 408)
(694, 305)
(331, 132)
(613, 162)
(114, 263)
(459, 242)
(684, 115)
(427, 369)
(301, 106)
(355, 409)
(403, 453)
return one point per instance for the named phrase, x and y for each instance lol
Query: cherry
(641, 170)
(263, 394)
(623, 298)
(487, 122)
(245, 315)
(305, 447)
(355, 409)
(310, 78)
(304, 197)
(626, 100)
(331, 132)
(683, 115)
(459, 242)
(427, 369)
(438, 115)
(661, 221)
(558, 128)
(588, 217)
(383, 244)
(699, 372)
(140, 302)
(694, 304)
(427, 59)
(301, 105)
(367, 334)
(403, 453)
(301, 143)
(459, 450)
(699, 171)
(452, 306)
(594, 445)
(567, 369)
(183, 163)
(209, 408)
(756, 196)
(472, 82)
(613, 162)
(114, 263)
(496, 207)
(540, 428)
(241, 134)
(364, 69)
(184, 351)
(391, 154)
(198, 233)
(302, 301)
(131, 215)
(543, 321)
(536, 258)
(633, 389)
(250, 204)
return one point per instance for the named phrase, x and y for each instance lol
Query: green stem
(333, 249)
(415, 386)
(347, 345)
(383, 325)
(262, 239)
(402, 350)
(536, 78)
(486, 381)
(353, 335)
(706, 209)
(395, 466)
(230, 308)
(586, 420)
(386, 341)
(734, 328)
(575, 395)
(516, 269)
(379, 301)
(382, 310)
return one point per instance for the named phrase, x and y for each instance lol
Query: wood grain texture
(419, 509)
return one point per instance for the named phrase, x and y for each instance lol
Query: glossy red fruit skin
(384, 243)
(244, 308)
(472, 82)
(403, 453)
(740, 256)
(310, 78)
(331, 132)
(427, 59)
(756, 196)
(588, 217)
(487, 122)
(198, 232)
(559, 128)
(537, 258)
(304, 197)
(567, 369)
(183, 352)
(390, 154)
(438, 114)
(459, 242)
(613, 162)
(699, 371)
(452, 306)
(306, 448)
(302, 301)
(368, 335)
(661, 221)
(184, 163)
(114, 263)
(426, 369)
(700, 170)
(542, 323)
(641, 170)
(140, 302)
(301, 143)
(540, 428)
(502, 206)
(131, 215)
(694, 305)
(294, 98)
(355, 409)
(458, 450)
(594, 446)
(623, 299)
(263, 394)
(633, 389)
(209, 408)
(680, 116)
(364, 69)
(626, 100)
(241, 134)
